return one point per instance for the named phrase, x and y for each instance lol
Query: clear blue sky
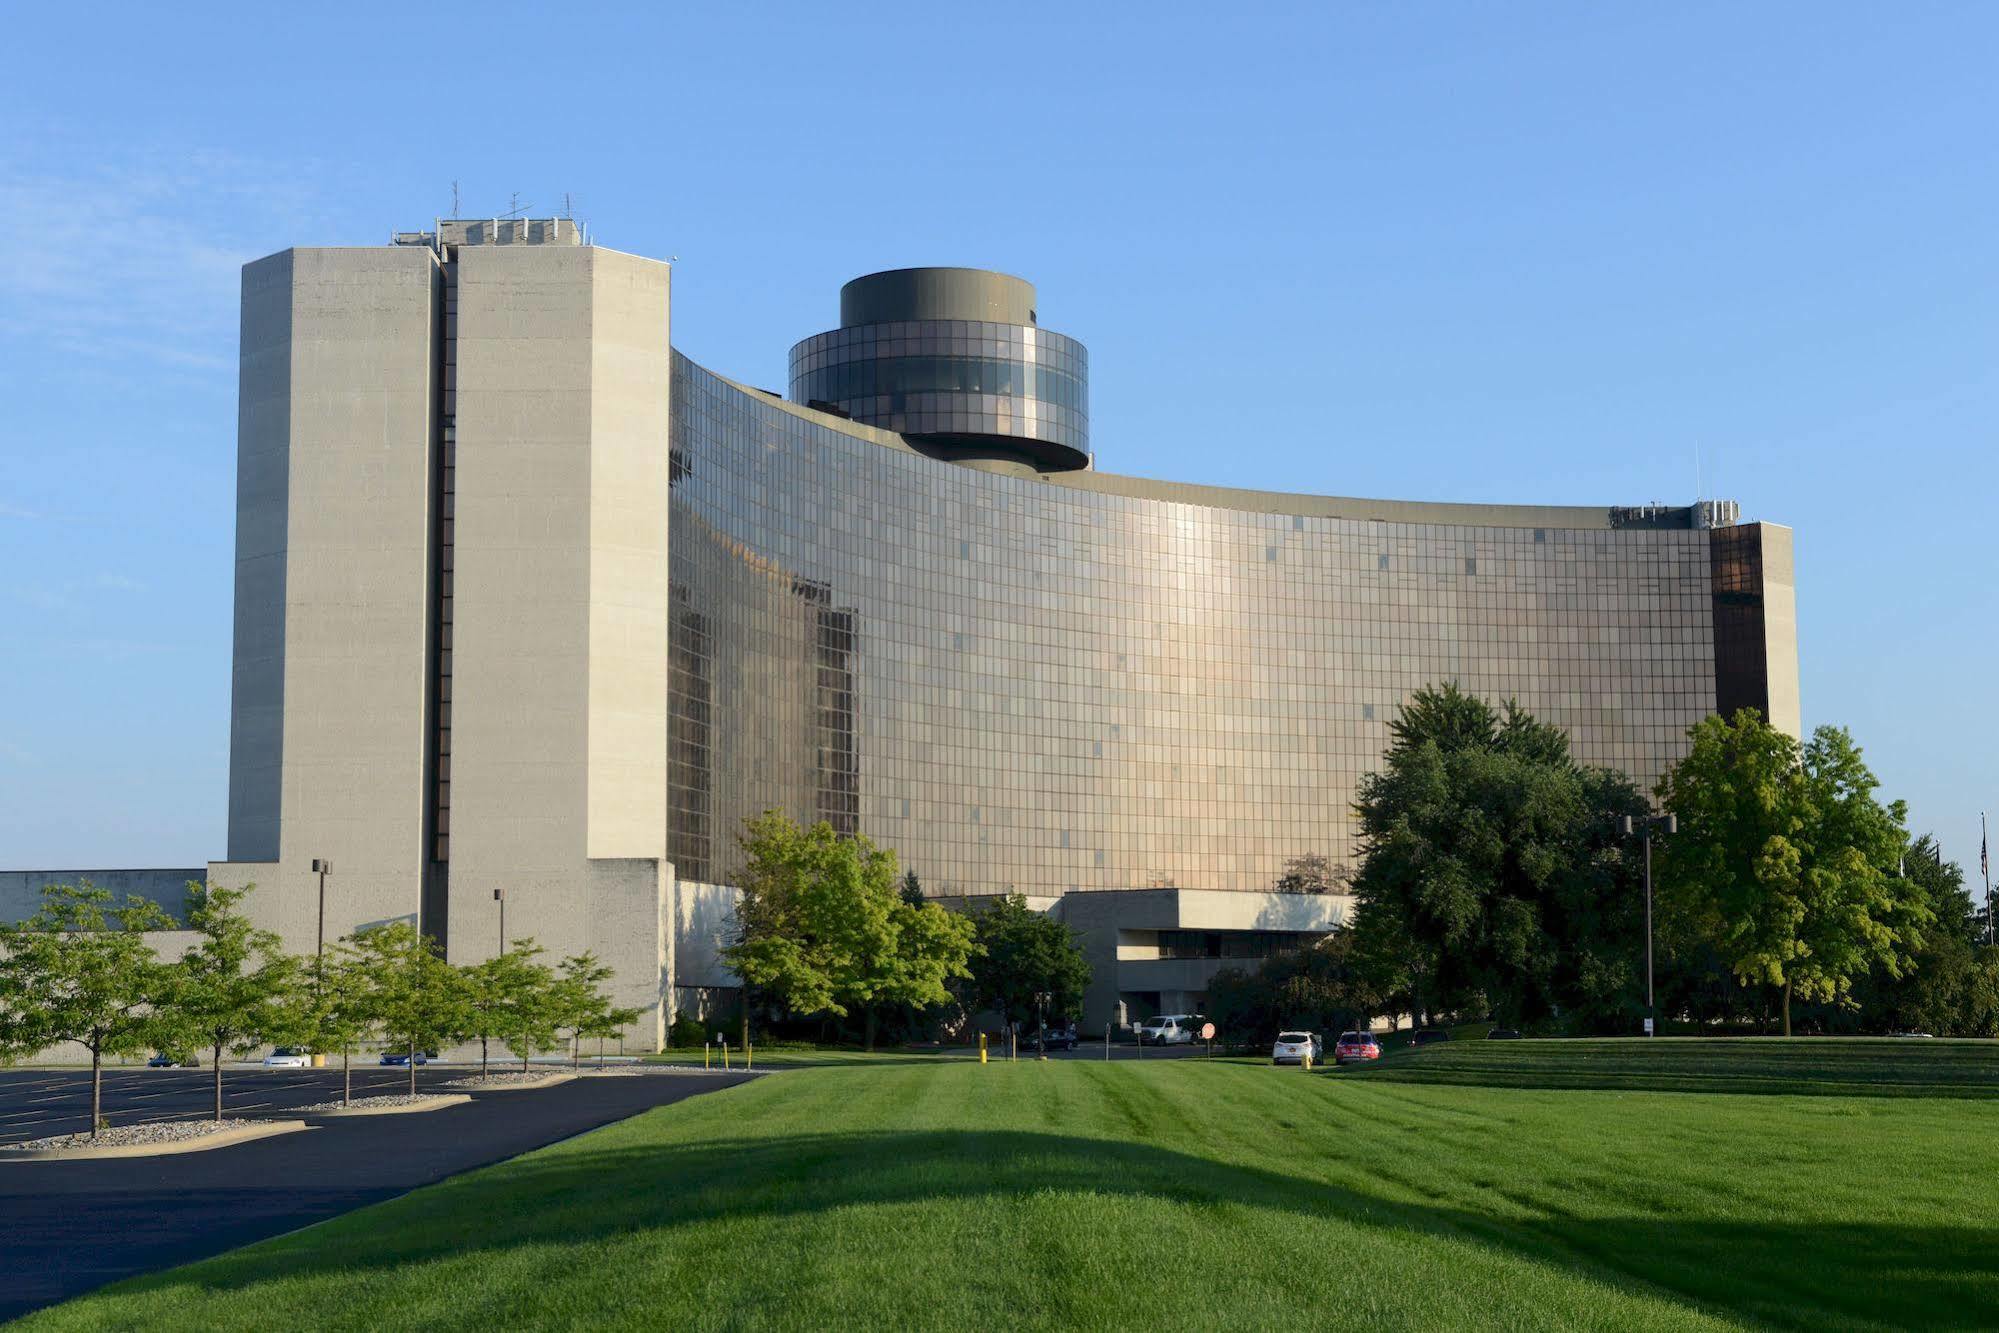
(1478, 252)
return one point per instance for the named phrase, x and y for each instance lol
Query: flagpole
(1985, 867)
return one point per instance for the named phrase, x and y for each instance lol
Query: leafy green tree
(1492, 871)
(932, 949)
(421, 998)
(1022, 952)
(510, 997)
(583, 1005)
(1323, 987)
(1785, 863)
(232, 989)
(80, 970)
(1950, 986)
(823, 928)
(334, 1008)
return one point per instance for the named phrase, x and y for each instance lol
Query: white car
(1169, 1030)
(286, 1058)
(1292, 1048)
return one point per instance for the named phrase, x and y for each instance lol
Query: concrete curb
(547, 1081)
(202, 1144)
(436, 1103)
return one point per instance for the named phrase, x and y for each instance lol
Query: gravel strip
(124, 1136)
(505, 1080)
(370, 1103)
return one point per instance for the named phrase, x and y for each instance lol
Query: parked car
(1503, 1034)
(403, 1057)
(286, 1058)
(1061, 1038)
(1356, 1046)
(1291, 1048)
(1170, 1029)
(172, 1060)
(1431, 1036)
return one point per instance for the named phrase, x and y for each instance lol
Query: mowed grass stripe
(1887, 1067)
(1182, 1194)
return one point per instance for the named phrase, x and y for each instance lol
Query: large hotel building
(526, 601)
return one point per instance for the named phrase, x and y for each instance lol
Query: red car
(1355, 1046)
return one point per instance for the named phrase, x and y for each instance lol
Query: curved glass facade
(953, 377)
(1021, 683)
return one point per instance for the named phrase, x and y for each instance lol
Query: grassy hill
(1179, 1194)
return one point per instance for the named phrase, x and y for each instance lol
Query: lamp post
(500, 897)
(322, 868)
(1671, 824)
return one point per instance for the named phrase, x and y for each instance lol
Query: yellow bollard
(725, 1055)
(982, 1048)
(749, 1057)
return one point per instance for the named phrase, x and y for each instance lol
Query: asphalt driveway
(66, 1227)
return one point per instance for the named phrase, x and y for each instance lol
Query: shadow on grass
(1802, 1274)
(1748, 1066)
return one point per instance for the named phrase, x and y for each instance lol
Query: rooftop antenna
(514, 206)
(454, 199)
(567, 216)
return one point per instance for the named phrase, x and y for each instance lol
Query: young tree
(230, 990)
(912, 890)
(582, 1005)
(1785, 862)
(80, 970)
(421, 998)
(508, 999)
(1021, 953)
(823, 928)
(531, 1011)
(333, 1008)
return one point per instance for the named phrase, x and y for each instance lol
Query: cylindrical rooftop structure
(937, 293)
(956, 359)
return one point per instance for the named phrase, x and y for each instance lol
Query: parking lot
(68, 1226)
(40, 1102)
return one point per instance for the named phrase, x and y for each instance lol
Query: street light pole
(321, 867)
(1670, 824)
(500, 897)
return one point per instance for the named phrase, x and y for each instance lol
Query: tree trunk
(412, 1068)
(96, 1089)
(218, 1082)
(482, 1057)
(346, 1075)
(871, 1029)
(1787, 1006)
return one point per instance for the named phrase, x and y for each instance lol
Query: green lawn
(1823, 1066)
(1162, 1195)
